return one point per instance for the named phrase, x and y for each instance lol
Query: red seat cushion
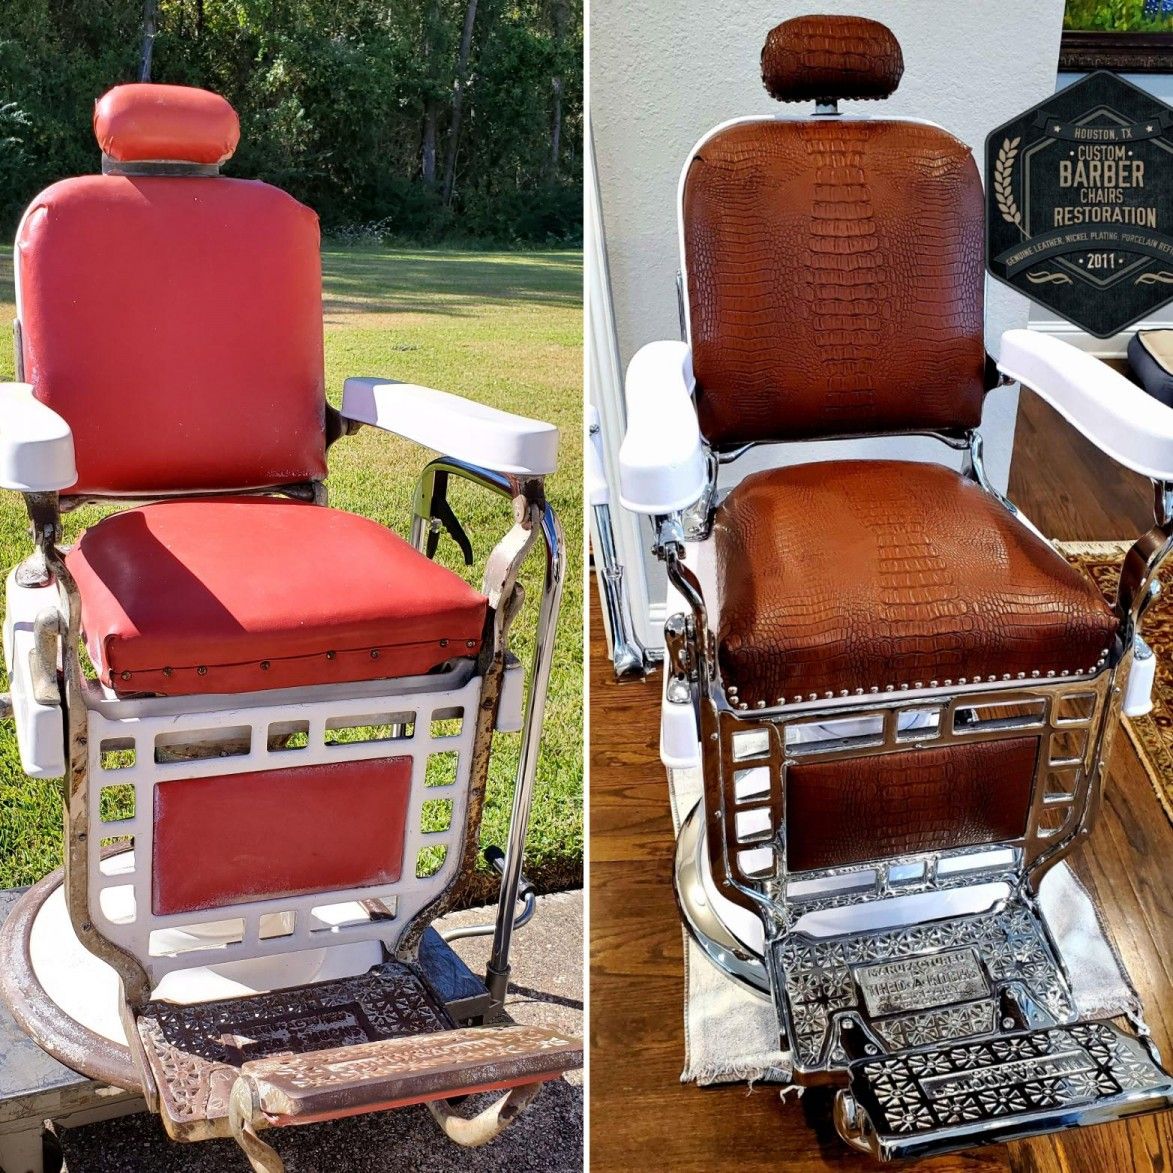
(236, 595)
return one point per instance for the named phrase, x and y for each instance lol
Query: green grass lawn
(502, 328)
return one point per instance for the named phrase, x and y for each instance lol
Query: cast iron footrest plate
(935, 1100)
(299, 1089)
(194, 1053)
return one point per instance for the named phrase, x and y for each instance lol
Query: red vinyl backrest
(175, 322)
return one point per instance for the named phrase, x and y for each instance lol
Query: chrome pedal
(933, 1100)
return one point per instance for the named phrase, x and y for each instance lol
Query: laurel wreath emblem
(1003, 175)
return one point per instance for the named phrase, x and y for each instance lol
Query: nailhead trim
(731, 690)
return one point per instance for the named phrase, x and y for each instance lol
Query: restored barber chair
(900, 697)
(274, 772)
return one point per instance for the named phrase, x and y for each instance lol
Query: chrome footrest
(932, 1100)
(913, 985)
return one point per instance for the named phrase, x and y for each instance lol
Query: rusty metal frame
(532, 516)
(533, 512)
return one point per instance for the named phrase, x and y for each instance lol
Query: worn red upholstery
(140, 122)
(240, 594)
(176, 325)
(175, 322)
(244, 837)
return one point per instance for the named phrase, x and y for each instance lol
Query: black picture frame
(1084, 52)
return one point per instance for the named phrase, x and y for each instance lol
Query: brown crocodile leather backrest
(835, 279)
(822, 58)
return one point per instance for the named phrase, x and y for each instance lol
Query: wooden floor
(641, 1116)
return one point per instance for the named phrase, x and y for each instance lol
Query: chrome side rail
(532, 510)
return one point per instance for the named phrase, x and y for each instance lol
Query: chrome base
(709, 919)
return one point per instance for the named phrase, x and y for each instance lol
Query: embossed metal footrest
(299, 1089)
(938, 1099)
(334, 1048)
(193, 1054)
(932, 982)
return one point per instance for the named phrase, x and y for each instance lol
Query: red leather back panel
(176, 324)
(835, 280)
(227, 840)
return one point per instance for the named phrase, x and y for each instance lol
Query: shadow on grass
(357, 280)
(453, 283)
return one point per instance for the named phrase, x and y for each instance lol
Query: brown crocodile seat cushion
(835, 280)
(829, 57)
(842, 577)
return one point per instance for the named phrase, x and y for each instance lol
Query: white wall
(662, 72)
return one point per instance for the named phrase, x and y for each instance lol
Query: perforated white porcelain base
(86, 988)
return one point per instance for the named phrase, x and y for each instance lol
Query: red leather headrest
(156, 123)
(824, 58)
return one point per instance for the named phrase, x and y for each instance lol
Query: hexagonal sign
(1079, 204)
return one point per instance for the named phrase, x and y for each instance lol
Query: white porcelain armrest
(1132, 427)
(454, 426)
(661, 460)
(36, 444)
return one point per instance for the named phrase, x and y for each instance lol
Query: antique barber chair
(901, 699)
(274, 775)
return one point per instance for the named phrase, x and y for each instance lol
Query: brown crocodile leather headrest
(823, 58)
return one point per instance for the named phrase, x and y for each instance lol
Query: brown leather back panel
(829, 57)
(857, 809)
(835, 280)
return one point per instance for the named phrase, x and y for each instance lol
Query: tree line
(405, 120)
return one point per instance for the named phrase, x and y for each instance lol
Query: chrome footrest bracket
(934, 1100)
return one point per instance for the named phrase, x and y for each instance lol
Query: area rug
(1152, 735)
